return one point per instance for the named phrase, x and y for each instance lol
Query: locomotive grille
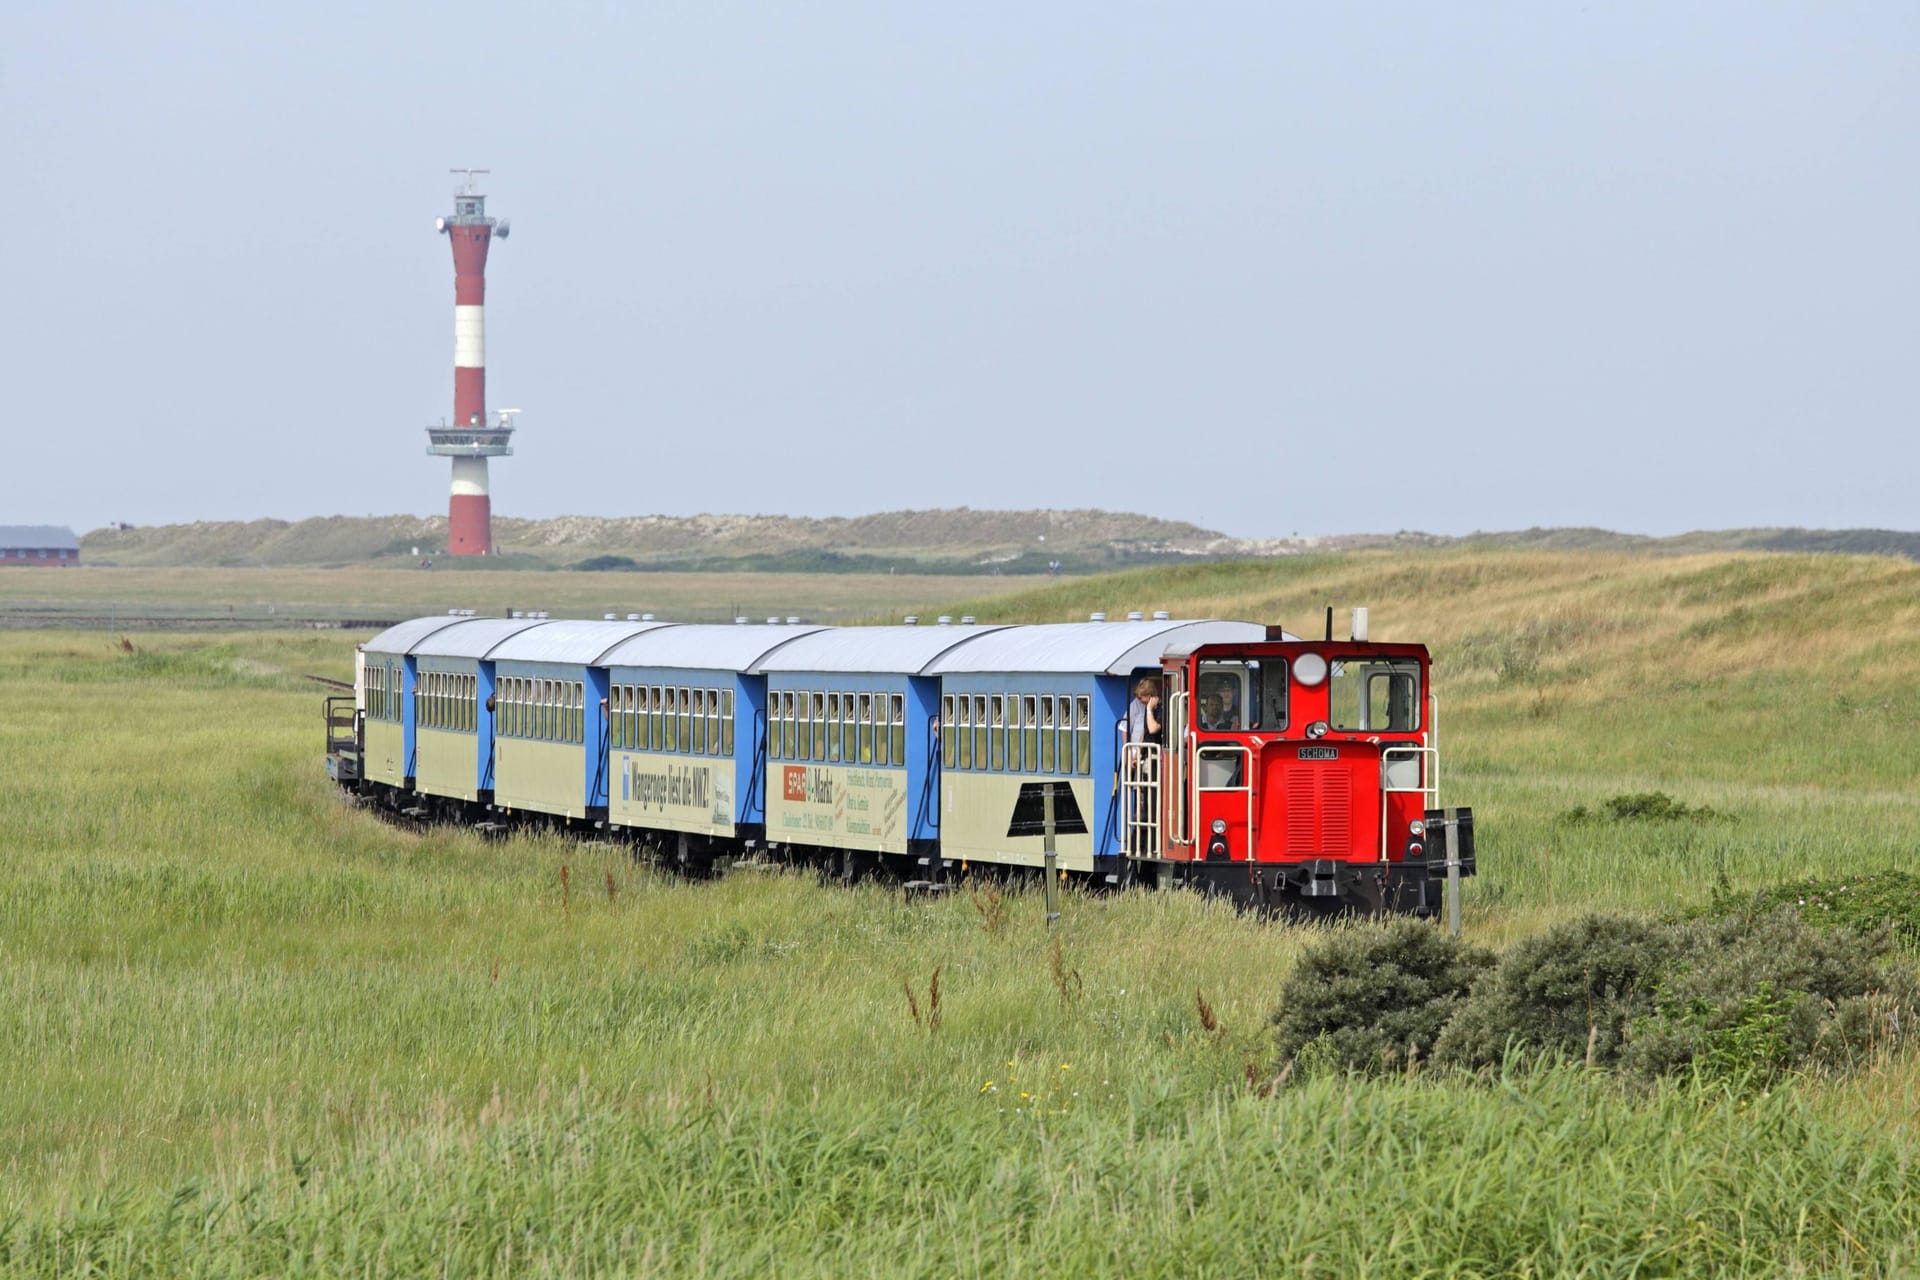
(1319, 812)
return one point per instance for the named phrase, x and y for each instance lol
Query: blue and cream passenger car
(387, 675)
(550, 737)
(851, 718)
(686, 724)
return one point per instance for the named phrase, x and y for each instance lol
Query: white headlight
(1416, 828)
(1219, 826)
(1309, 669)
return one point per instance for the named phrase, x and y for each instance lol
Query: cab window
(1375, 695)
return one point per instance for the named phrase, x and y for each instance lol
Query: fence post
(1047, 854)
(1453, 873)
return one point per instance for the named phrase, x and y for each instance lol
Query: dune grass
(247, 1029)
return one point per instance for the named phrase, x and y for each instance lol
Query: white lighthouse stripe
(469, 477)
(470, 337)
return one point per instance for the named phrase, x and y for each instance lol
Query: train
(1233, 757)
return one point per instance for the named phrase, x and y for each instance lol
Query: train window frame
(997, 732)
(882, 740)
(864, 727)
(1083, 733)
(982, 733)
(897, 726)
(1368, 669)
(832, 726)
(949, 732)
(699, 722)
(726, 722)
(1046, 733)
(819, 724)
(963, 727)
(849, 730)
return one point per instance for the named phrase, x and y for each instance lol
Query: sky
(1271, 268)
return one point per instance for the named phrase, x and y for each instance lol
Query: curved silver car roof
(578, 642)
(471, 638)
(1114, 648)
(703, 647)
(402, 636)
(903, 650)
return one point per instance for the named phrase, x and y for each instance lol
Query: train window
(949, 739)
(849, 728)
(1375, 695)
(997, 731)
(686, 719)
(789, 744)
(630, 718)
(1221, 696)
(897, 732)
(669, 722)
(1083, 734)
(982, 727)
(819, 725)
(964, 730)
(1046, 733)
(803, 726)
(726, 722)
(1029, 733)
(882, 741)
(617, 717)
(713, 722)
(866, 728)
(699, 747)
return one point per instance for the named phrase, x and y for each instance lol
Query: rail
(1140, 799)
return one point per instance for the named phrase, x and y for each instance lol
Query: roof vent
(1096, 617)
(518, 614)
(793, 622)
(646, 617)
(946, 619)
(773, 622)
(912, 620)
(1136, 616)
(1161, 615)
(739, 622)
(609, 617)
(453, 613)
(966, 619)
(633, 617)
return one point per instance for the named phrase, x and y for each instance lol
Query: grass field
(247, 1030)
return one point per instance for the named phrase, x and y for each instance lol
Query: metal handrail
(1140, 797)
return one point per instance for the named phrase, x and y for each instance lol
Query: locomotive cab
(1296, 771)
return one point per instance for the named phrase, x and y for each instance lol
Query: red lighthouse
(472, 437)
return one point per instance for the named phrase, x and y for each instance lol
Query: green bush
(1754, 995)
(1368, 997)
(1642, 806)
(1867, 903)
(1572, 991)
(1743, 998)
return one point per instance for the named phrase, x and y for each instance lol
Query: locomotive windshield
(1375, 695)
(1241, 694)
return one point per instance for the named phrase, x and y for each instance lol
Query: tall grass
(247, 1029)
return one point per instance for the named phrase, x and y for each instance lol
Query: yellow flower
(987, 1087)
